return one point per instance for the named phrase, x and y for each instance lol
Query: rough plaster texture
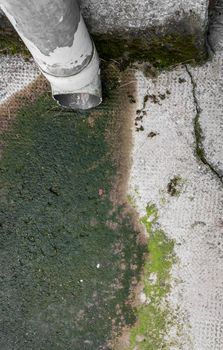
(105, 16)
(209, 92)
(194, 217)
(215, 37)
(115, 15)
(15, 74)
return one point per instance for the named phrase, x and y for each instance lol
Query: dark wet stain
(63, 267)
(153, 134)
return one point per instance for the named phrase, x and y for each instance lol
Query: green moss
(154, 317)
(110, 77)
(131, 201)
(160, 51)
(66, 252)
(175, 186)
(11, 44)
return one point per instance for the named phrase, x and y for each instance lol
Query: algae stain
(154, 316)
(11, 44)
(61, 263)
(161, 51)
(175, 186)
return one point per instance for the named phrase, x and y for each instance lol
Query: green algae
(11, 44)
(161, 51)
(154, 317)
(175, 186)
(65, 271)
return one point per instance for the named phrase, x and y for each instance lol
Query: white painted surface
(86, 81)
(62, 58)
(69, 70)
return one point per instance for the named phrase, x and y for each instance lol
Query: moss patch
(11, 44)
(175, 185)
(154, 317)
(161, 51)
(66, 251)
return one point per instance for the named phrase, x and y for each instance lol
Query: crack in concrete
(200, 152)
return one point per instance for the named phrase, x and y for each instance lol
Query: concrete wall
(147, 16)
(123, 15)
(104, 16)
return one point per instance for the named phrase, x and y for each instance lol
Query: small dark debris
(181, 80)
(54, 191)
(173, 186)
(153, 134)
(168, 92)
(153, 98)
(131, 99)
(162, 96)
(146, 98)
(138, 111)
(141, 128)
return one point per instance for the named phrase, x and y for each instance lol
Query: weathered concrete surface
(192, 218)
(215, 37)
(67, 267)
(165, 148)
(208, 89)
(181, 138)
(114, 15)
(160, 17)
(15, 73)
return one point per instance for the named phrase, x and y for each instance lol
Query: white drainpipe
(55, 34)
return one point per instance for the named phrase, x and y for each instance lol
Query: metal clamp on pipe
(57, 37)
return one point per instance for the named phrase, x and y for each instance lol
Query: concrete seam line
(197, 129)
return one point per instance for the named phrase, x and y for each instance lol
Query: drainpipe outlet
(79, 91)
(57, 37)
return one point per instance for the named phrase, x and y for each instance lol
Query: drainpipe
(55, 34)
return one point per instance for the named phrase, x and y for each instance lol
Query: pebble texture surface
(103, 16)
(181, 138)
(114, 15)
(15, 74)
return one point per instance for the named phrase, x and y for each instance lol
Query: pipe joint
(79, 91)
